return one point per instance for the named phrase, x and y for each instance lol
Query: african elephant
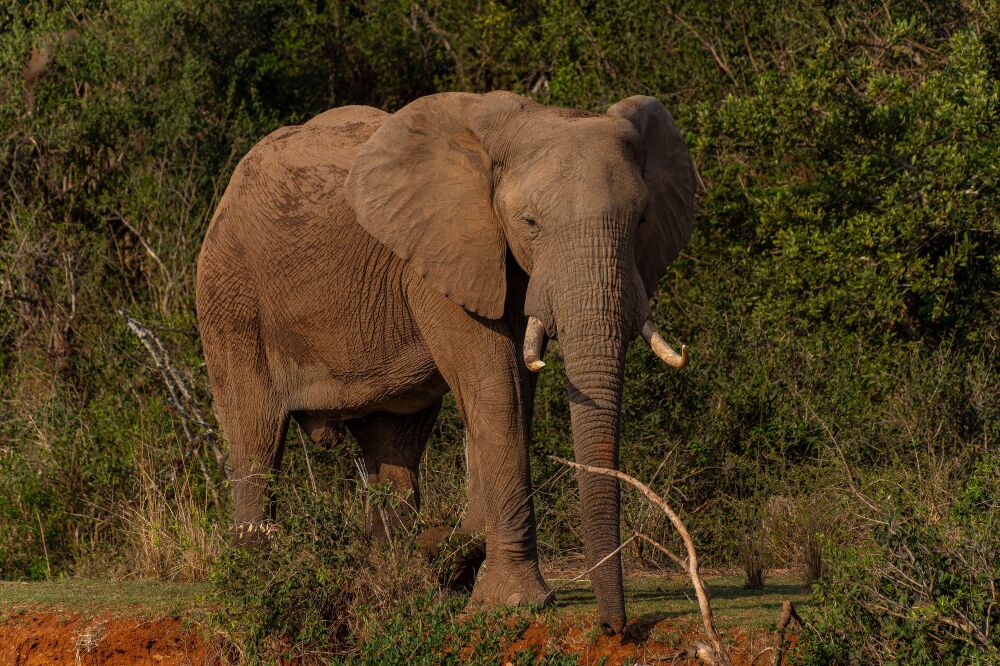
(361, 265)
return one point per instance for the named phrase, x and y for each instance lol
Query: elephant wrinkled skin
(363, 264)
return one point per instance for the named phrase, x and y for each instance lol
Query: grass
(650, 599)
(88, 597)
(662, 609)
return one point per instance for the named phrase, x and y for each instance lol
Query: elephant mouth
(535, 336)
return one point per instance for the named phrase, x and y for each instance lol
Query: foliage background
(840, 293)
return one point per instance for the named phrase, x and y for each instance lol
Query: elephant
(363, 264)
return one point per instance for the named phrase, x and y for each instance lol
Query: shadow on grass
(732, 604)
(719, 591)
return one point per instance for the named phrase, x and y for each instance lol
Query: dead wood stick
(681, 562)
(788, 613)
(604, 559)
(305, 452)
(145, 336)
(181, 397)
(599, 562)
(700, 588)
(142, 241)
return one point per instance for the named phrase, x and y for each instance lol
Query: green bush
(922, 588)
(428, 630)
(319, 588)
(318, 584)
(841, 286)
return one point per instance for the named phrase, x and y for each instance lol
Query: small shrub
(320, 590)
(169, 538)
(812, 556)
(922, 589)
(428, 629)
(753, 562)
(319, 587)
(796, 530)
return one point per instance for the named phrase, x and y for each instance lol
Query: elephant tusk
(534, 338)
(661, 348)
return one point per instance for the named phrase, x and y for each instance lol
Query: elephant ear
(669, 175)
(423, 186)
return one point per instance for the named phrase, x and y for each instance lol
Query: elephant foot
(503, 584)
(456, 555)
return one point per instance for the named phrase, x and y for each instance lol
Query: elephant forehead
(575, 181)
(576, 148)
(608, 133)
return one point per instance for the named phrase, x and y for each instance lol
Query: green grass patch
(88, 597)
(655, 598)
(647, 597)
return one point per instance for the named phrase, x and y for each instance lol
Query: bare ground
(37, 638)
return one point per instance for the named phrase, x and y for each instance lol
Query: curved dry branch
(700, 588)
(788, 613)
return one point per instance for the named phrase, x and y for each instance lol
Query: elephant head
(592, 207)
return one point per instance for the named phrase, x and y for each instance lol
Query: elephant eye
(530, 221)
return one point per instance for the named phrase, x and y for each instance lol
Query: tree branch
(700, 588)
(181, 398)
(788, 614)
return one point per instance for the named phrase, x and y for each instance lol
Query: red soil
(36, 638)
(638, 644)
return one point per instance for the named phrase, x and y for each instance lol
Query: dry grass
(88, 639)
(443, 479)
(388, 570)
(168, 530)
(812, 555)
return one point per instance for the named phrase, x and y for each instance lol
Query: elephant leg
(475, 514)
(392, 445)
(474, 518)
(256, 435)
(500, 496)
(478, 359)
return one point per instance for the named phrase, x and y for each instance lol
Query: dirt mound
(50, 638)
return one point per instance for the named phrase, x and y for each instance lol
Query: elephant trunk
(595, 320)
(594, 369)
(594, 314)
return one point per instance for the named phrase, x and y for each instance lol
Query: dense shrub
(320, 588)
(840, 289)
(317, 582)
(922, 588)
(429, 631)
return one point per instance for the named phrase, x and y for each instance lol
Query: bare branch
(142, 241)
(445, 41)
(700, 588)
(681, 562)
(704, 42)
(788, 613)
(305, 452)
(181, 398)
(599, 563)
